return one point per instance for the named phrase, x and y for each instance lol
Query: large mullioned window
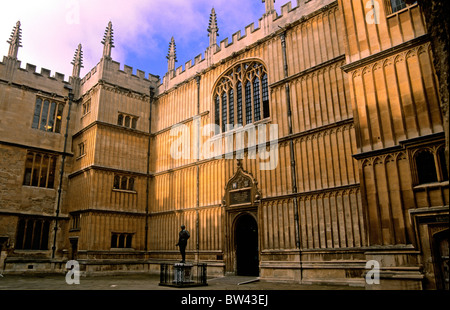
(40, 170)
(241, 97)
(47, 115)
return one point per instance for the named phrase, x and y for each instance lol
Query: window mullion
(437, 165)
(40, 171)
(48, 170)
(32, 169)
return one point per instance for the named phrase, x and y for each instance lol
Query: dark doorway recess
(247, 246)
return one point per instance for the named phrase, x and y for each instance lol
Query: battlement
(267, 25)
(11, 71)
(110, 71)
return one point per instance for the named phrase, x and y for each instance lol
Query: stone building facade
(296, 151)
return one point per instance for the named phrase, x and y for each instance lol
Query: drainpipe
(197, 225)
(61, 172)
(291, 146)
(152, 93)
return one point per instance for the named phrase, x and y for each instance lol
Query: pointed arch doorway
(240, 205)
(246, 243)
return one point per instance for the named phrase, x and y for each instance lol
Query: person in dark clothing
(182, 242)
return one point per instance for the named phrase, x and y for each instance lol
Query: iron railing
(183, 275)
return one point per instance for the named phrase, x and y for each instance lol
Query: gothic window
(128, 241)
(39, 170)
(231, 106)
(116, 182)
(124, 183)
(217, 113)
(239, 103)
(114, 238)
(127, 121)
(248, 104)
(121, 240)
(265, 96)
(47, 115)
(131, 184)
(242, 93)
(426, 167)
(32, 234)
(224, 112)
(256, 100)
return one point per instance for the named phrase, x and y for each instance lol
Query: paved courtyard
(147, 282)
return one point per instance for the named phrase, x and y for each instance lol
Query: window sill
(430, 185)
(242, 128)
(122, 249)
(81, 156)
(38, 187)
(46, 131)
(74, 229)
(85, 114)
(124, 191)
(30, 251)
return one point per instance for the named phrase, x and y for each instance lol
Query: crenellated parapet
(30, 78)
(269, 24)
(111, 72)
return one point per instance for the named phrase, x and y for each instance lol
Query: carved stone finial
(108, 41)
(270, 5)
(213, 29)
(77, 62)
(172, 55)
(15, 41)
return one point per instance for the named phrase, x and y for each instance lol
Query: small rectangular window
(87, 107)
(121, 241)
(76, 220)
(81, 149)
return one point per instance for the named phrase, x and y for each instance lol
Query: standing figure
(182, 242)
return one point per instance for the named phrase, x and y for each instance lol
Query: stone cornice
(386, 53)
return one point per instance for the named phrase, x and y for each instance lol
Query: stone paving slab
(148, 282)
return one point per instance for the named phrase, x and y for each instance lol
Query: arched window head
(123, 183)
(242, 93)
(116, 182)
(426, 167)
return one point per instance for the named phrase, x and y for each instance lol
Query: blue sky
(52, 29)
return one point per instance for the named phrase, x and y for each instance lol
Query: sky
(52, 30)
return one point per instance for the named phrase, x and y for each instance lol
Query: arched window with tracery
(242, 94)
